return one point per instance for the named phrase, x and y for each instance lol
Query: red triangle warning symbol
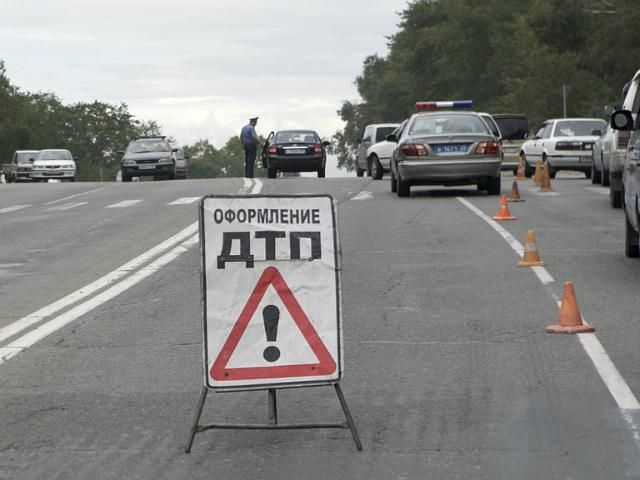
(326, 365)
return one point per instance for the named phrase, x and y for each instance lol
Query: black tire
(359, 171)
(615, 198)
(72, 179)
(376, 169)
(272, 173)
(605, 178)
(552, 172)
(394, 183)
(631, 240)
(321, 172)
(587, 174)
(126, 178)
(528, 171)
(596, 175)
(493, 186)
(404, 188)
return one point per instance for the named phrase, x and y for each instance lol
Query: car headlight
(128, 162)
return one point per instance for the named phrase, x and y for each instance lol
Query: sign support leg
(347, 416)
(273, 406)
(196, 419)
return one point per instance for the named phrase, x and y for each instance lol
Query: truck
(21, 166)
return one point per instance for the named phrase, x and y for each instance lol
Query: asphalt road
(449, 373)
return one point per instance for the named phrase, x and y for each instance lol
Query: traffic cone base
(530, 258)
(537, 175)
(504, 213)
(569, 318)
(514, 196)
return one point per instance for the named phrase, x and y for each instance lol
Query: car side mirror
(174, 150)
(391, 138)
(32, 160)
(120, 152)
(596, 132)
(326, 143)
(358, 141)
(622, 120)
(186, 158)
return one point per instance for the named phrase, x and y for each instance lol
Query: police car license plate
(450, 147)
(296, 151)
(146, 167)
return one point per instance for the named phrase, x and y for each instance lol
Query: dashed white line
(13, 208)
(364, 195)
(66, 206)
(124, 204)
(74, 196)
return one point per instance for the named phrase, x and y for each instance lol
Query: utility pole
(565, 91)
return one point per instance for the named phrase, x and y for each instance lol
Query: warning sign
(271, 291)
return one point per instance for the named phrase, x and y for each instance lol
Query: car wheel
(605, 178)
(615, 198)
(404, 187)
(631, 240)
(552, 172)
(321, 172)
(493, 186)
(72, 179)
(394, 184)
(528, 171)
(376, 169)
(596, 176)
(126, 178)
(359, 171)
(272, 173)
(587, 174)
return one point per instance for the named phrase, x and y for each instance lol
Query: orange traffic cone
(514, 196)
(569, 318)
(545, 183)
(537, 175)
(520, 171)
(504, 213)
(531, 257)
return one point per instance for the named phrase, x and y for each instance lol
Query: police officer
(250, 144)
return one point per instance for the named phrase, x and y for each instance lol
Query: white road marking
(124, 204)
(184, 201)
(364, 195)
(13, 208)
(66, 206)
(257, 187)
(601, 191)
(543, 194)
(74, 196)
(608, 372)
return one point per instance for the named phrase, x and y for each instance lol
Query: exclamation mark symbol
(271, 316)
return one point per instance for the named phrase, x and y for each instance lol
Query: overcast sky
(200, 68)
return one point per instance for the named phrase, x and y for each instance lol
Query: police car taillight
(317, 148)
(273, 149)
(414, 150)
(488, 148)
(455, 105)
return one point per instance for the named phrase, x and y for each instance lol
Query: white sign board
(271, 291)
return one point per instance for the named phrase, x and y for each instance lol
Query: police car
(445, 143)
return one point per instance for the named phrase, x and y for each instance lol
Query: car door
(365, 143)
(535, 147)
(630, 178)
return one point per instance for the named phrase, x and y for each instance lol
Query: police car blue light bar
(451, 105)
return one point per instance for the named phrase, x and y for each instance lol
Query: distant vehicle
(372, 134)
(379, 155)
(441, 145)
(294, 151)
(565, 143)
(514, 129)
(152, 156)
(54, 163)
(21, 165)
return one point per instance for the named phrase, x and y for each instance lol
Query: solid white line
(364, 195)
(608, 372)
(74, 196)
(35, 317)
(601, 191)
(14, 208)
(60, 321)
(66, 206)
(184, 201)
(124, 204)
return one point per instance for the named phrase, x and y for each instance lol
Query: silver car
(443, 146)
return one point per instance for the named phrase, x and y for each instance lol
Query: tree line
(508, 56)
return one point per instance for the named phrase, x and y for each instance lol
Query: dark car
(152, 156)
(294, 151)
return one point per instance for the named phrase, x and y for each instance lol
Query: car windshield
(54, 155)
(296, 136)
(444, 124)
(25, 156)
(513, 128)
(150, 145)
(574, 128)
(382, 133)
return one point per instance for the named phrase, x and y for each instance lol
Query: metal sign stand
(273, 419)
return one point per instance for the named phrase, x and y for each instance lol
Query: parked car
(600, 156)
(152, 156)
(379, 156)
(54, 163)
(294, 151)
(441, 145)
(372, 134)
(181, 163)
(514, 129)
(21, 166)
(565, 143)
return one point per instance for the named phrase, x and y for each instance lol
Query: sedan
(565, 143)
(445, 148)
(294, 151)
